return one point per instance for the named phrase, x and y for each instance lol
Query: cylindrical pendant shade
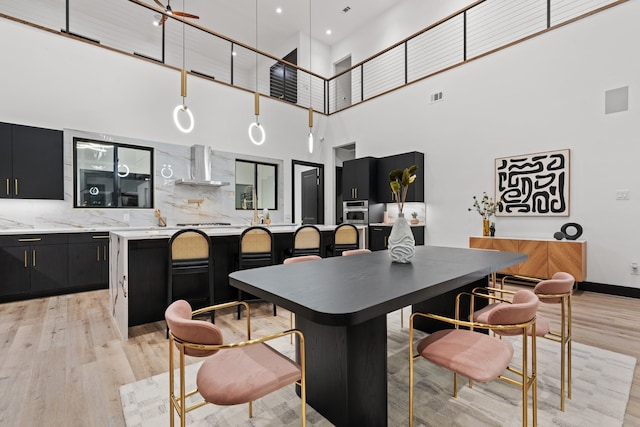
(257, 103)
(183, 84)
(310, 117)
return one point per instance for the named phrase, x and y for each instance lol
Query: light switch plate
(622, 195)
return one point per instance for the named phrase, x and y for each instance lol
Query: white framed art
(534, 184)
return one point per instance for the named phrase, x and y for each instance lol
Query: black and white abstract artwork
(533, 184)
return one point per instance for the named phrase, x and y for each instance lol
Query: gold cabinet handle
(98, 253)
(104, 252)
(385, 241)
(31, 239)
(16, 186)
(99, 237)
(8, 186)
(33, 253)
(25, 259)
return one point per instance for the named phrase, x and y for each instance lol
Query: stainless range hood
(200, 170)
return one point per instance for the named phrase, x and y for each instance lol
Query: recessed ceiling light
(328, 32)
(278, 10)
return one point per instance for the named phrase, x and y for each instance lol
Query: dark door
(284, 79)
(339, 199)
(307, 192)
(310, 213)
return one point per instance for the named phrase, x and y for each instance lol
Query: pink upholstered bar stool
(356, 252)
(481, 357)
(233, 373)
(293, 260)
(558, 290)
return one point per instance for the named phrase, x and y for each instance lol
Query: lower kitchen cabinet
(37, 265)
(89, 260)
(148, 268)
(379, 236)
(32, 265)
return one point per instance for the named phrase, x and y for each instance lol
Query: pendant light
(256, 125)
(310, 138)
(183, 90)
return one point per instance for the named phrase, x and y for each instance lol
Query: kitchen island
(139, 267)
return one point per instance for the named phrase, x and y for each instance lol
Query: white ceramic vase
(402, 244)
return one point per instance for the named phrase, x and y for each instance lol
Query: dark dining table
(341, 305)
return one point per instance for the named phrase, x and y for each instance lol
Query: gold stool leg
(570, 339)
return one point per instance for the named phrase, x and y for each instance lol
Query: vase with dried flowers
(402, 244)
(486, 207)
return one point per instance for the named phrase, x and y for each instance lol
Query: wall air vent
(435, 97)
(346, 9)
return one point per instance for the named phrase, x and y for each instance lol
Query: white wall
(544, 94)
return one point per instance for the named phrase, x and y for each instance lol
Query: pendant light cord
(183, 53)
(310, 76)
(257, 93)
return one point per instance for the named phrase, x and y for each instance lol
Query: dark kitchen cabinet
(148, 272)
(359, 179)
(400, 161)
(89, 260)
(32, 265)
(379, 236)
(31, 166)
(147, 279)
(6, 161)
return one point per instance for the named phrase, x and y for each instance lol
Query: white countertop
(390, 224)
(217, 230)
(159, 232)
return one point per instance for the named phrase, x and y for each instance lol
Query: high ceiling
(237, 18)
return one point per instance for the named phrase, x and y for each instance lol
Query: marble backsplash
(171, 162)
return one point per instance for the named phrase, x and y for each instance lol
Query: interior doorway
(307, 192)
(341, 154)
(343, 83)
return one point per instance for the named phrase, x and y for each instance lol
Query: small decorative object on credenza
(564, 231)
(414, 218)
(402, 244)
(487, 208)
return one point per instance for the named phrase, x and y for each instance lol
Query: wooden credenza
(546, 257)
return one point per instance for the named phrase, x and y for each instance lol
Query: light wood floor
(62, 362)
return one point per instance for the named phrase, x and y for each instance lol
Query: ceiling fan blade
(159, 4)
(186, 15)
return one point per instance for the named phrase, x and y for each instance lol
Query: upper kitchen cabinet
(401, 161)
(31, 162)
(359, 179)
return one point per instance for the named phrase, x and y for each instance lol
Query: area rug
(601, 385)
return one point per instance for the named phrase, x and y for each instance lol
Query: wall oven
(356, 212)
